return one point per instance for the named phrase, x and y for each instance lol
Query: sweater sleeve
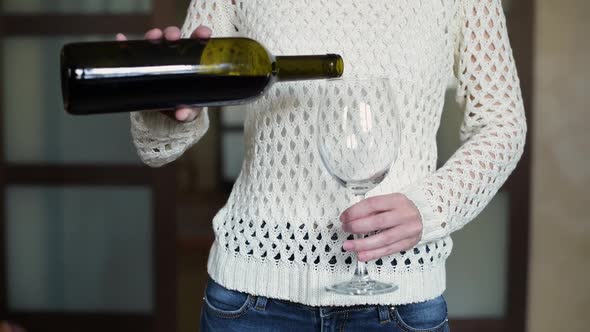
(493, 129)
(160, 140)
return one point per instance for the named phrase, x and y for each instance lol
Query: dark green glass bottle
(110, 77)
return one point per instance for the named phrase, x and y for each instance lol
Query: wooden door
(88, 232)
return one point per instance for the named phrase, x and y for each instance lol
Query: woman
(278, 238)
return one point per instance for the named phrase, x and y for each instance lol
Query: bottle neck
(307, 67)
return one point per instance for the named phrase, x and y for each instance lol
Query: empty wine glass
(358, 140)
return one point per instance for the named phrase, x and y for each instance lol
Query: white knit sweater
(279, 234)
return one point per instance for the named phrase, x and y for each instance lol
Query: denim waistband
(326, 312)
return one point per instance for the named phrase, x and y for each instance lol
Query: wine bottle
(142, 75)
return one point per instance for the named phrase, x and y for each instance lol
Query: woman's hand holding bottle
(182, 113)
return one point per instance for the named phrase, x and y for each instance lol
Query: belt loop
(260, 303)
(324, 312)
(384, 316)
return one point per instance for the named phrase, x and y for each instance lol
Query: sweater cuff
(159, 126)
(434, 226)
(160, 140)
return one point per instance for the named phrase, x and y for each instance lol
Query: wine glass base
(362, 287)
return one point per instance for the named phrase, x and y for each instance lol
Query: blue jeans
(228, 310)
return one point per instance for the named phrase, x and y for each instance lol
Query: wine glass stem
(360, 272)
(361, 268)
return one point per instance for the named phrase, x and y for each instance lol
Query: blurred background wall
(559, 273)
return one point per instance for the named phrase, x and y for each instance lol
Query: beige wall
(560, 248)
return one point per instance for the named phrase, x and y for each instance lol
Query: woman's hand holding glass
(395, 217)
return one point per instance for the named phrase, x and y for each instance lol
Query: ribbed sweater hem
(305, 285)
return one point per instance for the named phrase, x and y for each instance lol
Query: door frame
(521, 30)
(161, 182)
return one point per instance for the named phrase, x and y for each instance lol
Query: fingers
(154, 34)
(391, 249)
(376, 222)
(369, 207)
(202, 32)
(183, 114)
(394, 215)
(186, 114)
(121, 37)
(381, 239)
(172, 33)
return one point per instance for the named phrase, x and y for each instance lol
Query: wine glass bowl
(358, 140)
(358, 134)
